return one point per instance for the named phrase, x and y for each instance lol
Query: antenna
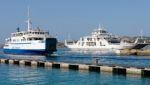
(141, 32)
(29, 20)
(68, 36)
(99, 26)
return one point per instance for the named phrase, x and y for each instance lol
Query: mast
(141, 34)
(99, 26)
(29, 20)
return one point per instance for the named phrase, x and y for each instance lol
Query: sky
(76, 18)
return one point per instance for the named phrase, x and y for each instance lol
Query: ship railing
(140, 41)
(70, 42)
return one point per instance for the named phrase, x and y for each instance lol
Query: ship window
(38, 38)
(100, 43)
(29, 39)
(82, 43)
(91, 43)
(47, 33)
(89, 39)
(14, 40)
(82, 39)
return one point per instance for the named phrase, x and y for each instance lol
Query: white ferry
(32, 41)
(101, 39)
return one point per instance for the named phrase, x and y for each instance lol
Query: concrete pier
(48, 64)
(119, 70)
(11, 61)
(106, 69)
(55, 65)
(83, 67)
(75, 66)
(64, 65)
(34, 63)
(2, 60)
(22, 62)
(94, 68)
(16, 62)
(133, 71)
(41, 63)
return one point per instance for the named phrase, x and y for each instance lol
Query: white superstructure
(100, 39)
(32, 41)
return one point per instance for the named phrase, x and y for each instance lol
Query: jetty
(114, 69)
(136, 52)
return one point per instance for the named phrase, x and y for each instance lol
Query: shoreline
(135, 52)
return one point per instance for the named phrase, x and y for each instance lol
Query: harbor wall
(76, 66)
(138, 52)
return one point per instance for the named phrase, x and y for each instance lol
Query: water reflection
(95, 52)
(27, 57)
(66, 55)
(26, 75)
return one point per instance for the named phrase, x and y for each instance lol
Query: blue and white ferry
(32, 41)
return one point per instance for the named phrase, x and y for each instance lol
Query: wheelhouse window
(91, 43)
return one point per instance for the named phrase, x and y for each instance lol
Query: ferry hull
(27, 52)
(49, 48)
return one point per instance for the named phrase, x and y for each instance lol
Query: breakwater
(138, 52)
(77, 66)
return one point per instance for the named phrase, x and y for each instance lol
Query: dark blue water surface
(65, 55)
(26, 75)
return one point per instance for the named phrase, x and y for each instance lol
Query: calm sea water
(26, 75)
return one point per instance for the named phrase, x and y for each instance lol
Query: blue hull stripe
(20, 51)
